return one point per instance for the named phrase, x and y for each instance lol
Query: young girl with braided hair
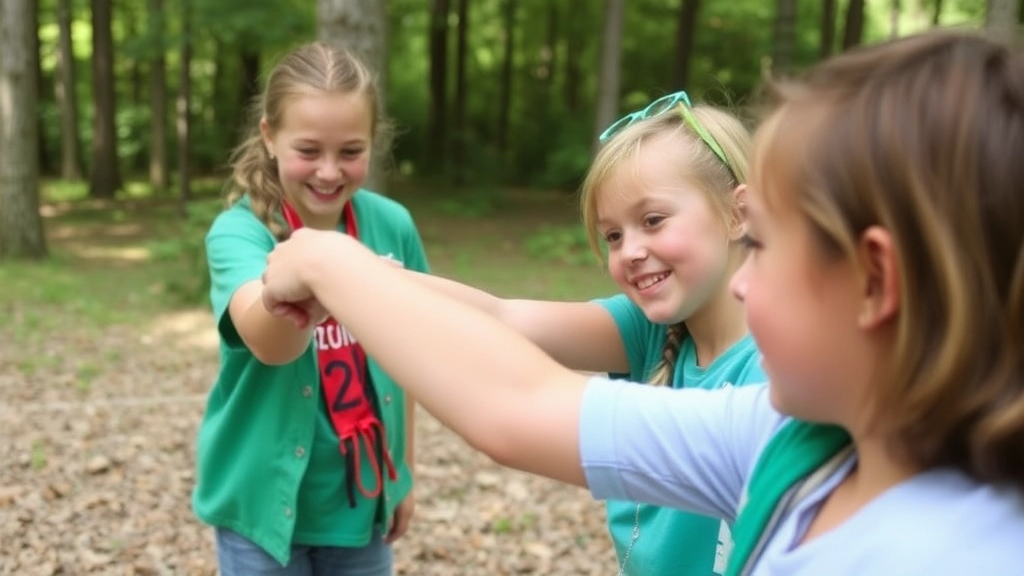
(305, 451)
(885, 288)
(663, 202)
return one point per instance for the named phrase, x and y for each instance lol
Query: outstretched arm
(479, 377)
(579, 335)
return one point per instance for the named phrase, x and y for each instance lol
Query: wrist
(317, 271)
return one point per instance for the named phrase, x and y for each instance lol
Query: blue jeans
(238, 556)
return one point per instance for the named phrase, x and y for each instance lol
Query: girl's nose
(738, 282)
(633, 247)
(328, 170)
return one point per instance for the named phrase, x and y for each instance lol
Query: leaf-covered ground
(97, 460)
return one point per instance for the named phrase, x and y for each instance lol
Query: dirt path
(97, 468)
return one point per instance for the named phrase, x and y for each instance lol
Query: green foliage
(186, 250)
(566, 244)
(551, 112)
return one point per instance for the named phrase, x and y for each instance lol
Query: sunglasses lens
(661, 105)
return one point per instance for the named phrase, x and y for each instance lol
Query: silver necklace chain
(632, 542)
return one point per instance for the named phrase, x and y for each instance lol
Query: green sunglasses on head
(678, 100)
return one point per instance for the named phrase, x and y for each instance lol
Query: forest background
(117, 118)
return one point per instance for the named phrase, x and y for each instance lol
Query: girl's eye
(612, 237)
(748, 242)
(654, 220)
(352, 152)
(306, 151)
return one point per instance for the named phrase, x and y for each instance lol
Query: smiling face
(668, 245)
(322, 149)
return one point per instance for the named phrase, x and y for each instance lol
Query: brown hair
(314, 67)
(924, 137)
(701, 165)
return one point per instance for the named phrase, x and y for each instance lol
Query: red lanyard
(345, 381)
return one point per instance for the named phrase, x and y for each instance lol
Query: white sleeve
(690, 448)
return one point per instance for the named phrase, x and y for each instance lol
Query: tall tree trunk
(461, 52)
(937, 14)
(828, 28)
(1001, 19)
(894, 19)
(105, 178)
(64, 92)
(184, 109)
(249, 88)
(573, 72)
(21, 227)
(785, 25)
(686, 30)
(158, 176)
(45, 158)
(134, 65)
(505, 95)
(437, 135)
(853, 31)
(362, 26)
(608, 79)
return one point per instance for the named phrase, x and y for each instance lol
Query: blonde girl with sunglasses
(662, 203)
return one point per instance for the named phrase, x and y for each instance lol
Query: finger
(291, 312)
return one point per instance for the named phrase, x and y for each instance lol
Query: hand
(303, 314)
(400, 522)
(286, 293)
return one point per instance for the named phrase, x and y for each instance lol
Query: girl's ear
(880, 300)
(268, 139)
(738, 213)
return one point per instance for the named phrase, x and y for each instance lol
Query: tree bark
(21, 227)
(828, 28)
(686, 30)
(438, 132)
(937, 14)
(64, 92)
(249, 88)
(853, 31)
(184, 110)
(362, 27)
(158, 177)
(894, 19)
(505, 94)
(573, 72)
(105, 178)
(1001, 19)
(42, 87)
(608, 80)
(461, 51)
(785, 25)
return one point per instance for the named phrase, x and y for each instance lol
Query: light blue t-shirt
(696, 449)
(653, 540)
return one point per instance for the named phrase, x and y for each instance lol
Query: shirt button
(300, 452)
(387, 398)
(288, 512)
(307, 391)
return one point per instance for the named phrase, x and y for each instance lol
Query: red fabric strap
(345, 381)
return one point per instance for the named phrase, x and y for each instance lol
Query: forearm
(479, 377)
(272, 340)
(464, 293)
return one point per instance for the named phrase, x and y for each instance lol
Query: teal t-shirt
(669, 542)
(268, 461)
